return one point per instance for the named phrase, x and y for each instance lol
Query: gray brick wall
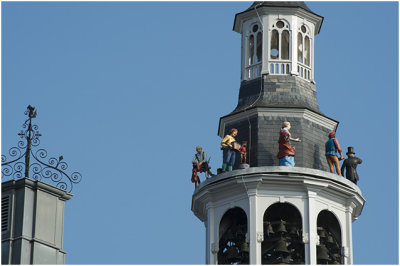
(278, 91)
(310, 152)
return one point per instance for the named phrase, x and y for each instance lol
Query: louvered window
(5, 213)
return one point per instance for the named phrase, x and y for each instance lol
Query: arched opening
(304, 52)
(233, 248)
(330, 239)
(283, 232)
(279, 48)
(254, 51)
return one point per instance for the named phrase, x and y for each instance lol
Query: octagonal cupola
(277, 39)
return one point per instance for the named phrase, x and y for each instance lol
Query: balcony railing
(304, 71)
(279, 68)
(253, 71)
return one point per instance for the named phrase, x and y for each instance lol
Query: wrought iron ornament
(20, 165)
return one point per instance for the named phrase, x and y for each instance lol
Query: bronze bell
(322, 253)
(294, 232)
(321, 232)
(329, 240)
(269, 231)
(281, 228)
(244, 247)
(336, 258)
(280, 246)
(232, 254)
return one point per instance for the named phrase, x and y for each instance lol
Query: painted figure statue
(229, 148)
(200, 164)
(350, 165)
(286, 150)
(243, 156)
(332, 148)
(243, 152)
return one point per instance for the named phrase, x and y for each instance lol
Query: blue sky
(125, 91)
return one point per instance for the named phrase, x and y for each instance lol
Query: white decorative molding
(260, 237)
(214, 248)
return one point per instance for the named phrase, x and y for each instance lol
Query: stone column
(254, 229)
(211, 238)
(310, 237)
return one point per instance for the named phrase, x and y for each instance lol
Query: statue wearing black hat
(350, 164)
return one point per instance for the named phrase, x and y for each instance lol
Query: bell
(322, 253)
(232, 254)
(336, 258)
(269, 231)
(294, 232)
(330, 240)
(321, 232)
(244, 247)
(281, 228)
(280, 247)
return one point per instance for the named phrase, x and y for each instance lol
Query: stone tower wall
(265, 127)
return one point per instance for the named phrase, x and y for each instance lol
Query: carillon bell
(232, 254)
(336, 258)
(322, 253)
(245, 247)
(280, 247)
(330, 240)
(269, 231)
(281, 228)
(321, 232)
(294, 232)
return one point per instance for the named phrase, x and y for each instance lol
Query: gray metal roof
(280, 4)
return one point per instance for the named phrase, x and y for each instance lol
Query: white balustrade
(279, 68)
(253, 71)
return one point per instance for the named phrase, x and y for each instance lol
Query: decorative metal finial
(20, 161)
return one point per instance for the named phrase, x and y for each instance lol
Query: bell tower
(277, 83)
(269, 214)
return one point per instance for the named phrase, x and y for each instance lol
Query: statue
(229, 146)
(286, 150)
(200, 164)
(243, 155)
(332, 147)
(350, 165)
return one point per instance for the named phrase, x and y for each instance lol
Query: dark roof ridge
(300, 4)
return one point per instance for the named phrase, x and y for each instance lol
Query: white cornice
(297, 181)
(294, 11)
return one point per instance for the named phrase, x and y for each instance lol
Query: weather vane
(20, 164)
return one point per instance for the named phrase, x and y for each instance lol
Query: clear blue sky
(125, 91)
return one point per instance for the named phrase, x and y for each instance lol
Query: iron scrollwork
(19, 165)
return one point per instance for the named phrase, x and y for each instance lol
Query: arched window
(279, 48)
(280, 40)
(254, 51)
(304, 52)
(283, 230)
(233, 248)
(303, 45)
(330, 239)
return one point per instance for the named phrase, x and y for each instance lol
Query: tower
(32, 211)
(269, 214)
